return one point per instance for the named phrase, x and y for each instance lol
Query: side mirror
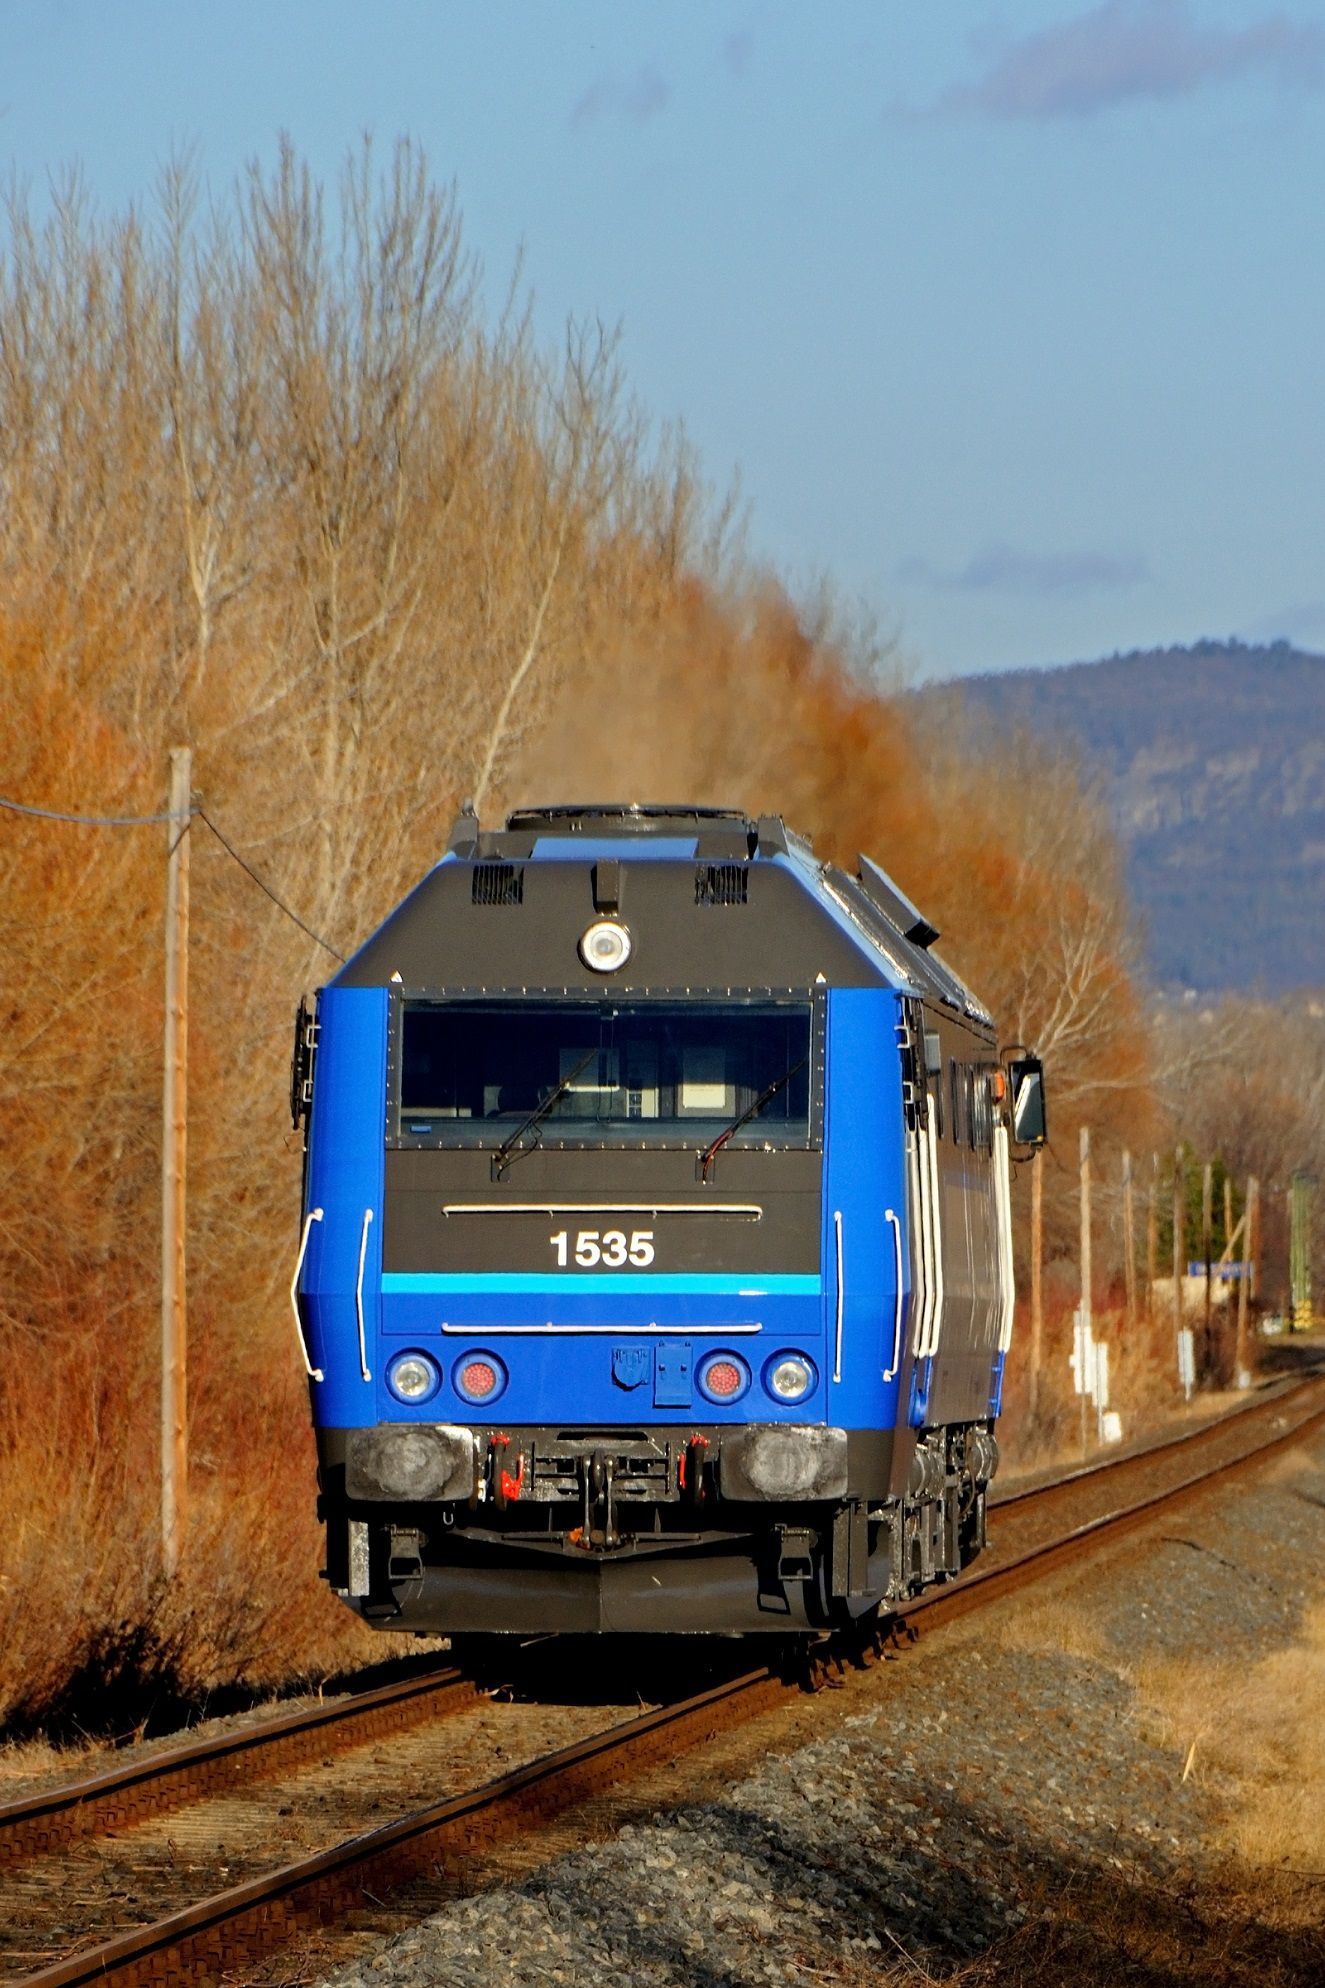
(301, 1064)
(1026, 1077)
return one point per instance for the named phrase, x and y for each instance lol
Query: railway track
(47, 1823)
(238, 1925)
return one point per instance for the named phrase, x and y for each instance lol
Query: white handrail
(550, 1329)
(754, 1209)
(358, 1293)
(1007, 1281)
(938, 1247)
(890, 1372)
(929, 1220)
(837, 1339)
(314, 1373)
(919, 1223)
(936, 1325)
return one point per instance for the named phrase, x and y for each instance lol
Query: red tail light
(724, 1377)
(478, 1379)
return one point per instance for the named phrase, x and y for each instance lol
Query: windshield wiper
(710, 1153)
(502, 1158)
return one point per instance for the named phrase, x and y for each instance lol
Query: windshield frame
(554, 1134)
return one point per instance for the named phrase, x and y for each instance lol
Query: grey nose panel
(784, 1460)
(423, 1460)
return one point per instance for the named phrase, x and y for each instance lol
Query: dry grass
(1051, 1621)
(1091, 1929)
(1252, 1729)
(1088, 1929)
(1256, 1731)
(97, 1645)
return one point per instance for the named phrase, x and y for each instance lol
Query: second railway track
(204, 1930)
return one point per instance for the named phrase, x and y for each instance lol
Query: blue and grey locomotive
(655, 1270)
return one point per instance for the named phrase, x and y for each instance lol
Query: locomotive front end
(605, 1327)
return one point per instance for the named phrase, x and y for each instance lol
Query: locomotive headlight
(605, 945)
(413, 1377)
(789, 1377)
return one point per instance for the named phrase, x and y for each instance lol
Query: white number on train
(611, 1248)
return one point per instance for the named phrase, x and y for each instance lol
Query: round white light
(412, 1377)
(789, 1377)
(605, 945)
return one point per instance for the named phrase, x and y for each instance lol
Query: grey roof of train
(503, 909)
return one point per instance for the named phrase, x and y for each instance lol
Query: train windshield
(593, 1073)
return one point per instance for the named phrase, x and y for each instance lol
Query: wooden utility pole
(1037, 1277)
(1207, 1222)
(1229, 1234)
(1084, 1316)
(1086, 1264)
(1241, 1368)
(174, 1383)
(1129, 1240)
(1152, 1236)
(1180, 1263)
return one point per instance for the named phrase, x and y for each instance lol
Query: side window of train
(955, 1086)
(972, 1088)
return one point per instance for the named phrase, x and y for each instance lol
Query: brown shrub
(284, 495)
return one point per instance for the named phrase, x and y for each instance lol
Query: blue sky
(1008, 317)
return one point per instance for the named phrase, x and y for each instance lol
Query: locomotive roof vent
(622, 818)
(497, 883)
(722, 883)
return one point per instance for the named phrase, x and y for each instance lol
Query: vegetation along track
(231, 1800)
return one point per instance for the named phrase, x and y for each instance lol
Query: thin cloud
(1003, 569)
(639, 97)
(1127, 50)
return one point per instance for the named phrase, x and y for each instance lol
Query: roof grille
(498, 883)
(722, 883)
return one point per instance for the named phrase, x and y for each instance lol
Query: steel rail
(984, 1585)
(45, 1822)
(236, 1927)
(215, 1937)
(1194, 1438)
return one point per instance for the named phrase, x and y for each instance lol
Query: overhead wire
(249, 871)
(90, 821)
(170, 814)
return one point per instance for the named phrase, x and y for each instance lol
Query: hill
(1213, 764)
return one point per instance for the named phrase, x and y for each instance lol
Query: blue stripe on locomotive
(562, 1376)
